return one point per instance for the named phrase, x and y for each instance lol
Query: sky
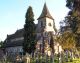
(12, 13)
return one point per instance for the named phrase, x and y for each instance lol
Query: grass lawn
(74, 61)
(56, 61)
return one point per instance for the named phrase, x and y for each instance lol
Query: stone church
(46, 24)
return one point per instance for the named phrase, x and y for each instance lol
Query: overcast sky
(12, 13)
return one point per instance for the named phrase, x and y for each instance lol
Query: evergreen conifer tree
(29, 32)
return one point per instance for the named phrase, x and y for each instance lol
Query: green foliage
(66, 40)
(73, 4)
(71, 21)
(69, 4)
(1, 44)
(29, 32)
(73, 18)
(74, 61)
(47, 59)
(6, 60)
(43, 60)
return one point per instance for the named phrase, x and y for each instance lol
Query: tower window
(43, 24)
(49, 24)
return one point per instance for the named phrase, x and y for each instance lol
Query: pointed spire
(45, 13)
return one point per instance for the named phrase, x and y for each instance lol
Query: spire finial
(45, 1)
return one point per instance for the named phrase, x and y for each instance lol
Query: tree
(74, 18)
(69, 4)
(67, 41)
(52, 46)
(1, 44)
(73, 4)
(74, 14)
(29, 32)
(71, 22)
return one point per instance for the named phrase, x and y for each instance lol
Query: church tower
(45, 28)
(46, 21)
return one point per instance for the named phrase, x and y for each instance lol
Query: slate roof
(17, 34)
(13, 44)
(45, 13)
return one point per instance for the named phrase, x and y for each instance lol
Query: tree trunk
(66, 55)
(52, 58)
(71, 55)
